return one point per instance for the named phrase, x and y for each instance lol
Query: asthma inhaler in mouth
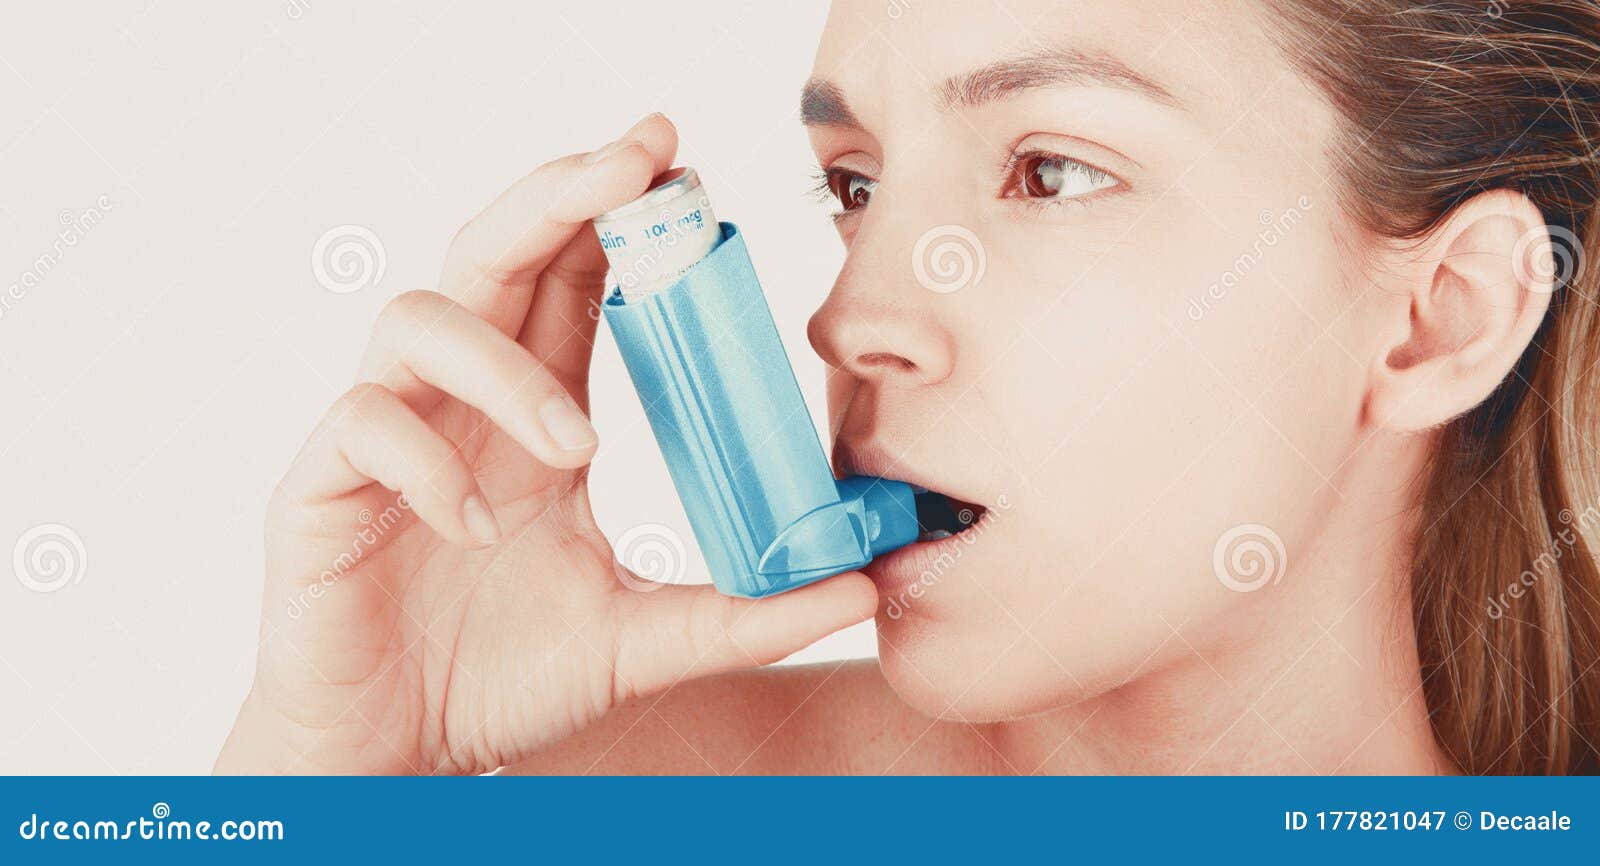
(699, 343)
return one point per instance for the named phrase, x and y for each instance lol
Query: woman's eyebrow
(1052, 67)
(822, 103)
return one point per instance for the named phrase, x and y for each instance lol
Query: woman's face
(1093, 288)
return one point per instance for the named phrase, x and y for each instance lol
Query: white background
(160, 374)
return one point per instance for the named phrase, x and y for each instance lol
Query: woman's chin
(954, 679)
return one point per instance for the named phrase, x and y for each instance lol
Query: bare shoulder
(833, 718)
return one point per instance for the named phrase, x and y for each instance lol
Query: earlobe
(1475, 303)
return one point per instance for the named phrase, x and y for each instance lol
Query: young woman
(1275, 393)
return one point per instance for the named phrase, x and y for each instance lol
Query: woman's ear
(1477, 295)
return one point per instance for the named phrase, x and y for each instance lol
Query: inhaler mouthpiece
(699, 343)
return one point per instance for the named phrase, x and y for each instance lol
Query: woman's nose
(879, 324)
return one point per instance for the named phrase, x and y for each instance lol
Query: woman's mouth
(940, 516)
(949, 532)
(948, 526)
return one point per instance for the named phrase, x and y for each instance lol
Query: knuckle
(360, 395)
(357, 409)
(466, 238)
(280, 504)
(409, 310)
(475, 252)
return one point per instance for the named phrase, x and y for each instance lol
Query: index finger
(494, 262)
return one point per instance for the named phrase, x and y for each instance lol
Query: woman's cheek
(1076, 397)
(1118, 405)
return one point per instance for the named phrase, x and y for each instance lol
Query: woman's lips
(850, 459)
(913, 572)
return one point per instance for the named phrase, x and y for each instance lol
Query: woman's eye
(852, 190)
(1047, 176)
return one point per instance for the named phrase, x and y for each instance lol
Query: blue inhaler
(699, 343)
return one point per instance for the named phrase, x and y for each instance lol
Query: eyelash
(823, 181)
(1011, 172)
(822, 189)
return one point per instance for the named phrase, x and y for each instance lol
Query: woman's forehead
(1206, 52)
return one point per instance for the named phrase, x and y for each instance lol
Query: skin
(1113, 434)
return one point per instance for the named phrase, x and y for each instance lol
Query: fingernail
(565, 423)
(480, 520)
(604, 152)
(648, 118)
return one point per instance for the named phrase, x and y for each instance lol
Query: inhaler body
(704, 355)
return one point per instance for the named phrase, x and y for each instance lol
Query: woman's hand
(438, 596)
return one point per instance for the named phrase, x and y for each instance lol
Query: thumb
(682, 632)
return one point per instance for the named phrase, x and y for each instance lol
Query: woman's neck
(1319, 674)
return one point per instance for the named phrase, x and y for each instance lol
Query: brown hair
(1441, 101)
